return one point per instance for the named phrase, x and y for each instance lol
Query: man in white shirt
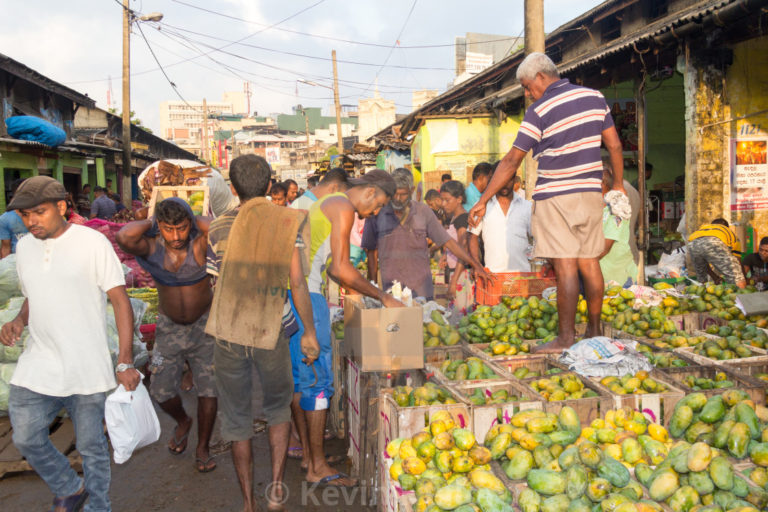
(66, 272)
(506, 229)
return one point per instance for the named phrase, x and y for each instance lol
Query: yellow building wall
(747, 90)
(457, 145)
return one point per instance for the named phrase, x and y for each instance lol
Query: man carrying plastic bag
(67, 362)
(131, 421)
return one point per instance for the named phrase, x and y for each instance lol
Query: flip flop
(330, 460)
(202, 465)
(326, 481)
(295, 452)
(177, 443)
(259, 426)
(72, 503)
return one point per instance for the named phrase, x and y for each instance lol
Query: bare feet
(556, 346)
(591, 332)
(178, 443)
(276, 497)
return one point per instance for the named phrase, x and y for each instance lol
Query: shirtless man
(172, 248)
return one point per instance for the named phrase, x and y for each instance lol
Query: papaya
(681, 419)
(522, 417)
(557, 503)
(576, 481)
(701, 481)
(699, 457)
(613, 501)
(568, 457)
(589, 454)
(664, 485)
(546, 482)
(738, 440)
(453, 496)
(721, 473)
(529, 500)
(563, 437)
(541, 425)
(613, 471)
(746, 414)
(598, 489)
(684, 499)
(542, 456)
(580, 505)
(569, 420)
(633, 490)
(643, 472)
(713, 411)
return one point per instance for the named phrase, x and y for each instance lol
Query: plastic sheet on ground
(601, 356)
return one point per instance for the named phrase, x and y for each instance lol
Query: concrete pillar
(707, 177)
(2, 188)
(101, 179)
(58, 171)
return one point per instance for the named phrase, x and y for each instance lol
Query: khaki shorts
(569, 226)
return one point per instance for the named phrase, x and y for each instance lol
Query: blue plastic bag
(35, 129)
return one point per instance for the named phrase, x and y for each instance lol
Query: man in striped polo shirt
(564, 128)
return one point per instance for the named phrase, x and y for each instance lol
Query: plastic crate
(512, 284)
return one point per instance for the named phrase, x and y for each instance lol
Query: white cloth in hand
(619, 204)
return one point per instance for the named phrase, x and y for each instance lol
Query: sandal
(72, 503)
(177, 443)
(203, 465)
(295, 452)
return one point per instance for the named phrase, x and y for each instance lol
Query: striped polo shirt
(564, 129)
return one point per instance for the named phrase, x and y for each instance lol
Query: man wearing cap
(66, 363)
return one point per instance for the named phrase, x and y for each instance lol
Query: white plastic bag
(131, 421)
(672, 264)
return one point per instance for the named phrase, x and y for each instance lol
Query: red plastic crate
(512, 284)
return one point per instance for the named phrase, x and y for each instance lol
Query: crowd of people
(248, 291)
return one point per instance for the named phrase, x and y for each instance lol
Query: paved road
(155, 480)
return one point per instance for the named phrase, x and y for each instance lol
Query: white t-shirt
(65, 280)
(505, 237)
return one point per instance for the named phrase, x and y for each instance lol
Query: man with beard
(396, 239)
(172, 247)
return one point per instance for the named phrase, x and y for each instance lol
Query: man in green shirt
(616, 260)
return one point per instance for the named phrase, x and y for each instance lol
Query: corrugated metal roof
(25, 72)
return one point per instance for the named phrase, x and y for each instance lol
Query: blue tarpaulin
(35, 129)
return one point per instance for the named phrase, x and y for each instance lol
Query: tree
(134, 120)
(331, 151)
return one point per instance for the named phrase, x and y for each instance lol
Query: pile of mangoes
(497, 397)
(447, 469)
(438, 332)
(471, 368)
(717, 300)
(513, 320)
(638, 384)
(682, 339)
(525, 373)
(740, 330)
(721, 349)
(511, 347)
(661, 359)
(428, 394)
(720, 381)
(562, 387)
(647, 322)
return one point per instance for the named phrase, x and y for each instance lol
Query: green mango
(740, 487)
(681, 419)
(696, 401)
(738, 440)
(518, 467)
(581, 504)
(589, 454)
(701, 481)
(547, 482)
(746, 414)
(613, 501)
(684, 499)
(557, 503)
(598, 489)
(453, 496)
(576, 481)
(491, 502)
(759, 454)
(724, 499)
(631, 450)
(699, 456)
(563, 437)
(721, 472)
(699, 431)
(664, 485)
(720, 439)
(643, 472)
(568, 457)
(529, 500)
(713, 411)
(542, 456)
(613, 471)
(569, 420)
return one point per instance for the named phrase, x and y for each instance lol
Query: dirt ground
(156, 480)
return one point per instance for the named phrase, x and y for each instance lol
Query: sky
(207, 47)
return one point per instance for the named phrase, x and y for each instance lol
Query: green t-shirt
(618, 265)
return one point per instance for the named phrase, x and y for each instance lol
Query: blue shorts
(316, 390)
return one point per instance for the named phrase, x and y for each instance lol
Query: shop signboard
(749, 173)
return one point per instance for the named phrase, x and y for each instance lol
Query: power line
(319, 36)
(392, 48)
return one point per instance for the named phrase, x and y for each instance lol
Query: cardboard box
(187, 193)
(384, 339)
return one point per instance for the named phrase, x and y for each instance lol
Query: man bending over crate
(564, 128)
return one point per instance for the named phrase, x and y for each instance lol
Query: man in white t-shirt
(66, 272)
(506, 229)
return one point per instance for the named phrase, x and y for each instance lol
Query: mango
(631, 450)
(613, 471)
(443, 461)
(740, 487)
(658, 432)
(544, 425)
(644, 474)
(452, 496)
(569, 420)
(462, 464)
(613, 501)
(701, 481)
(423, 503)
(713, 411)
(563, 437)
(568, 457)
(684, 499)
(589, 454)
(681, 419)
(580, 505)
(758, 452)
(414, 466)
(664, 485)
(598, 489)
(557, 503)
(546, 482)
(443, 441)
(529, 500)
(482, 479)
(542, 456)
(721, 473)
(518, 468)
(425, 487)
(500, 444)
(576, 481)
(699, 457)
(738, 440)
(463, 438)
(746, 414)
(720, 438)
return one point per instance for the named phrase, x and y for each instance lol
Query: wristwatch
(122, 367)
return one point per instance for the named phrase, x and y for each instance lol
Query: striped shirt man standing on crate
(564, 127)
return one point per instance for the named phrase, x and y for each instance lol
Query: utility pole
(204, 152)
(306, 129)
(340, 146)
(534, 42)
(126, 168)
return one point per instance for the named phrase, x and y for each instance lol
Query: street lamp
(128, 18)
(335, 89)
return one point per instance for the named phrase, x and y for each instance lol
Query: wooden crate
(184, 192)
(478, 350)
(485, 416)
(534, 362)
(62, 435)
(587, 409)
(336, 413)
(759, 356)
(432, 367)
(657, 407)
(755, 388)
(443, 352)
